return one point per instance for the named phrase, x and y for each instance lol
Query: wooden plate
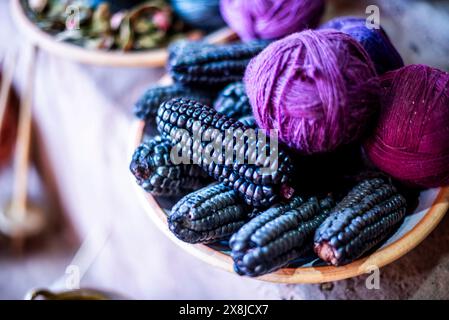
(433, 205)
(150, 58)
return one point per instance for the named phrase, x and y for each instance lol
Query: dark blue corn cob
(233, 101)
(150, 101)
(211, 214)
(155, 173)
(278, 235)
(260, 179)
(365, 217)
(196, 63)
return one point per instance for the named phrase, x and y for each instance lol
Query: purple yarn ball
(270, 19)
(375, 41)
(319, 89)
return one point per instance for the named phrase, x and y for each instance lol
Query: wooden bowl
(149, 58)
(432, 207)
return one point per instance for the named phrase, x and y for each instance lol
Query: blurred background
(96, 232)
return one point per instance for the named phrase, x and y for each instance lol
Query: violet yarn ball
(319, 89)
(270, 19)
(375, 41)
(202, 14)
(411, 141)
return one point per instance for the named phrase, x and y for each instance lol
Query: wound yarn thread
(319, 89)
(270, 19)
(411, 141)
(375, 41)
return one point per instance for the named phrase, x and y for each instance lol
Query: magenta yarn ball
(270, 19)
(411, 141)
(319, 89)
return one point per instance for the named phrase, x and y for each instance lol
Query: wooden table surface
(83, 114)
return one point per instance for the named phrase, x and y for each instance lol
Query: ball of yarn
(270, 19)
(319, 89)
(202, 14)
(411, 141)
(375, 41)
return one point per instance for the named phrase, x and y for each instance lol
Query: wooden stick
(9, 66)
(21, 163)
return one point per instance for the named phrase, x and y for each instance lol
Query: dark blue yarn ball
(375, 41)
(116, 5)
(202, 14)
